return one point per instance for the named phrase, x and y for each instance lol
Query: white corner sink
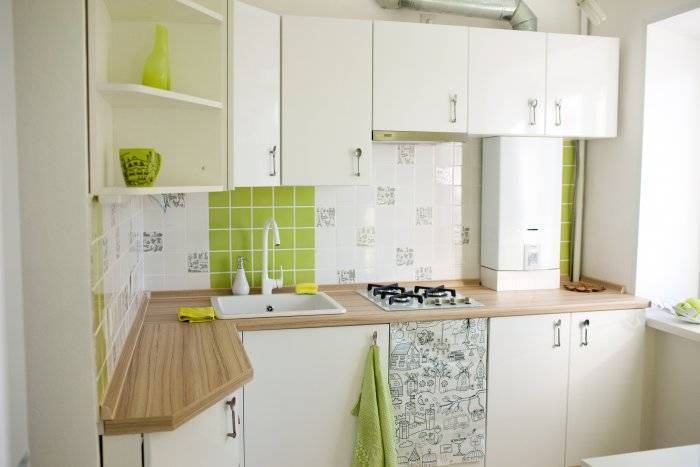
(275, 305)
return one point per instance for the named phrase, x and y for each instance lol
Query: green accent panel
(289, 278)
(567, 212)
(260, 216)
(220, 261)
(305, 238)
(257, 239)
(305, 259)
(100, 348)
(98, 306)
(262, 196)
(95, 263)
(284, 217)
(241, 240)
(102, 381)
(284, 196)
(257, 260)
(567, 194)
(241, 197)
(568, 175)
(220, 281)
(304, 217)
(565, 232)
(218, 218)
(96, 218)
(286, 239)
(564, 251)
(256, 279)
(305, 196)
(569, 155)
(241, 218)
(305, 276)
(219, 199)
(219, 240)
(564, 267)
(284, 258)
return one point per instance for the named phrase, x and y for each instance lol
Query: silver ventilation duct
(520, 16)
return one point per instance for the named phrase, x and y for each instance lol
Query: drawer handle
(557, 113)
(533, 111)
(357, 153)
(584, 332)
(453, 108)
(232, 405)
(273, 155)
(557, 333)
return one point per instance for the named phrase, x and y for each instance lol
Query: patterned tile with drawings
(198, 262)
(325, 217)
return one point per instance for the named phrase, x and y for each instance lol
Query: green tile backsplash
(567, 204)
(236, 220)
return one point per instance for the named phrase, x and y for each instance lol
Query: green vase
(156, 71)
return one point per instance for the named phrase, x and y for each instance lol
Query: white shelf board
(156, 190)
(140, 96)
(663, 321)
(177, 11)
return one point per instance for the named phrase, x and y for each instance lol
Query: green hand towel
(196, 315)
(375, 445)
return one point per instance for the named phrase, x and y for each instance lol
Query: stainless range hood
(520, 16)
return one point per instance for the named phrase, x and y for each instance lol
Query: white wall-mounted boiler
(521, 213)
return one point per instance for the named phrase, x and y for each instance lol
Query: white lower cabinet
(528, 366)
(564, 387)
(297, 407)
(605, 384)
(210, 439)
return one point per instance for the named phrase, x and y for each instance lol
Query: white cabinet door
(582, 85)
(254, 128)
(202, 441)
(420, 77)
(327, 104)
(605, 384)
(527, 394)
(297, 408)
(506, 82)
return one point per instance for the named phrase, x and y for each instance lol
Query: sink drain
(270, 308)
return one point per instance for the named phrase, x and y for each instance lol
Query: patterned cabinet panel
(437, 378)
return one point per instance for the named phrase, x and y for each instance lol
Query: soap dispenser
(240, 283)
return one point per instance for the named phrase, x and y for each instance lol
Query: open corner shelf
(140, 96)
(156, 190)
(178, 11)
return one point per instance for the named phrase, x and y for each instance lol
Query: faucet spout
(268, 283)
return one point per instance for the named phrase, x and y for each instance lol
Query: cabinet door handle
(273, 156)
(584, 332)
(357, 153)
(557, 112)
(532, 103)
(232, 405)
(557, 333)
(453, 108)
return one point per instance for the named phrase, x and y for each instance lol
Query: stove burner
(382, 290)
(435, 292)
(404, 298)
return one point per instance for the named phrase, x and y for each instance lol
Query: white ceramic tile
(175, 282)
(175, 240)
(326, 237)
(326, 276)
(175, 263)
(365, 258)
(444, 155)
(154, 282)
(345, 237)
(198, 280)
(326, 258)
(197, 240)
(345, 216)
(345, 196)
(365, 216)
(325, 196)
(384, 154)
(384, 175)
(345, 258)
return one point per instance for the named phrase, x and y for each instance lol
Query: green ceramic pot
(140, 166)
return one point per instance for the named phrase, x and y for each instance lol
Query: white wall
(613, 171)
(52, 148)
(13, 399)
(668, 256)
(553, 15)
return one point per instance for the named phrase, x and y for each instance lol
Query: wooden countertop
(361, 311)
(170, 371)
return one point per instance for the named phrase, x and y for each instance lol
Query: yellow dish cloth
(306, 289)
(196, 315)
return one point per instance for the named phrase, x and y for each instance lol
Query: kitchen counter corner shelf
(122, 95)
(179, 11)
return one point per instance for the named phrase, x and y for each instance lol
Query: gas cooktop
(392, 297)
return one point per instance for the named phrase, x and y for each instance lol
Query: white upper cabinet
(420, 77)
(605, 384)
(582, 85)
(506, 82)
(327, 104)
(528, 366)
(254, 97)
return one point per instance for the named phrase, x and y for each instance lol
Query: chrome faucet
(268, 283)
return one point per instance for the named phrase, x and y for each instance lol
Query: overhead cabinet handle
(557, 112)
(273, 156)
(232, 405)
(453, 108)
(357, 153)
(532, 103)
